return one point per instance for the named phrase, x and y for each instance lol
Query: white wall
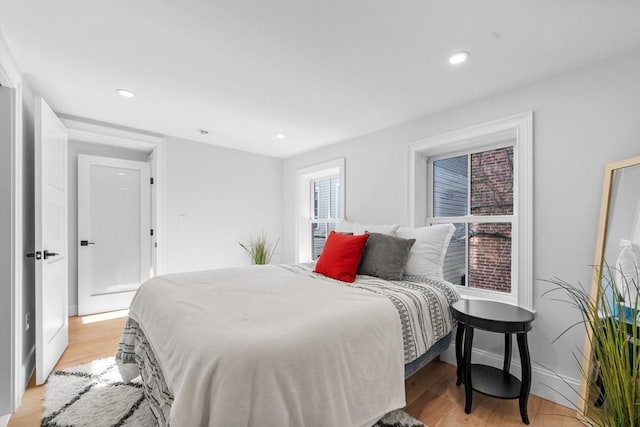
(75, 148)
(224, 197)
(583, 120)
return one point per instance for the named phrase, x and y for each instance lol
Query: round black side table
(493, 317)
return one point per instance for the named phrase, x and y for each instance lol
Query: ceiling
(317, 71)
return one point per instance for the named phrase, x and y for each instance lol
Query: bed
(322, 344)
(281, 345)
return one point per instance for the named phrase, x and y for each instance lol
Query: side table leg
(459, 359)
(507, 354)
(468, 390)
(525, 361)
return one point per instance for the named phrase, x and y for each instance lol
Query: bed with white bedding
(279, 345)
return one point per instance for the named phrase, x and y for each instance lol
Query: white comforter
(264, 346)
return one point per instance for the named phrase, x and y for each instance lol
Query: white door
(114, 232)
(51, 263)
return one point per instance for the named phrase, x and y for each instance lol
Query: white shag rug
(93, 395)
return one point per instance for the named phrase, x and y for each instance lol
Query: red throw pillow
(341, 256)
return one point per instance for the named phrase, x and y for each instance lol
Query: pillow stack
(385, 251)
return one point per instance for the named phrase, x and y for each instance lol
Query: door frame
(99, 133)
(11, 77)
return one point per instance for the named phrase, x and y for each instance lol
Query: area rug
(93, 395)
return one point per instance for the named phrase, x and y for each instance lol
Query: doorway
(114, 231)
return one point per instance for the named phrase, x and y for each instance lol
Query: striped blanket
(422, 304)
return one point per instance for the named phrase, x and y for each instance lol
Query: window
(326, 207)
(320, 204)
(474, 191)
(479, 179)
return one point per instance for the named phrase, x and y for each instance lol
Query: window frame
(305, 207)
(476, 138)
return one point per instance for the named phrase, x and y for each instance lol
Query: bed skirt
(432, 353)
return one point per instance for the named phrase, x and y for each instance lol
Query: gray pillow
(385, 256)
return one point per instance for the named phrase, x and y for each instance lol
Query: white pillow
(357, 228)
(426, 257)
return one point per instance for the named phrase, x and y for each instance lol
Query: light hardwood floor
(432, 395)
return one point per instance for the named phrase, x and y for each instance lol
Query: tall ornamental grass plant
(614, 380)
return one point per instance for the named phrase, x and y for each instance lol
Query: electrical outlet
(27, 325)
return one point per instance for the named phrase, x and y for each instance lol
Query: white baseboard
(557, 388)
(27, 368)
(73, 310)
(4, 420)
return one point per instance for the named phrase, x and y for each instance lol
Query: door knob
(48, 254)
(86, 243)
(36, 255)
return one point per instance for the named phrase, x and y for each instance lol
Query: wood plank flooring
(432, 394)
(434, 399)
(90, 338)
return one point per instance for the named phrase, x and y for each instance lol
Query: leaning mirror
(611, 368)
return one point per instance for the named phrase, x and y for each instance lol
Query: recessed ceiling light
(459, 58)
(281, 136)
(126, 93)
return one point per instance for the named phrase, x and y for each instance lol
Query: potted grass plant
(260, 250)
(612, 317)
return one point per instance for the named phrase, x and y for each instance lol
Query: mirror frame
(587, 358)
